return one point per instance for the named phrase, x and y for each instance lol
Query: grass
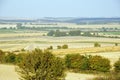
(109, 76)
(111, 33)
(86, 50)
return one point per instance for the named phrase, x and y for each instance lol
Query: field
(11, 40)
(14, 41)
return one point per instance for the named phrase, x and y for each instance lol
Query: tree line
(58, 33)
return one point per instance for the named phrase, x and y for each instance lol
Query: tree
(87, 34)
(50, 48)
(65, 46)
(51, 33)
(40, 65)
(96, 44)
(19, 26)
(58, 33)
(59, 47)
(75, 33)
(116, 44)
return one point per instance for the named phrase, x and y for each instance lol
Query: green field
(111, 33)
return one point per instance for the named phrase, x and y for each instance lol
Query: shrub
(2, 56)
(116, 44)
(117, 66)
(59, 47)
(10, 58)
(97, 44)
(19, 58)
(65, 46)
(22, 49)
(39, 65)
(76, 61)
(98, 63)
(50, 48)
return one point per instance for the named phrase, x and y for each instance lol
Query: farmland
(25, 39)
(21, 39)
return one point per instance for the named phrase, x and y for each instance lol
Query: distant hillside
(66, 20)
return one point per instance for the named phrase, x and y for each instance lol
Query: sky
(59, 8)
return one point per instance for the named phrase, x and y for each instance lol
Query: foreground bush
(117, 66)
(98, 63)
(91, 63)
(76, 61)
(40, 65)
(10, 58)
(2, 56)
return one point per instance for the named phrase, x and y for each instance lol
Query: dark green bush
(98, 63)
(10, 58)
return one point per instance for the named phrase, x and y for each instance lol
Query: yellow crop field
(86, 50)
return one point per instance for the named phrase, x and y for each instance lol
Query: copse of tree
(51, 33)
(58, 33)
(96, 44)
(75, 33)
(87, 34)
(39, 65)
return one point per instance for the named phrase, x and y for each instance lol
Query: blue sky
(59, 8)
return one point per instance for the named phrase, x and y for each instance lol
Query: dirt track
(7, 72)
